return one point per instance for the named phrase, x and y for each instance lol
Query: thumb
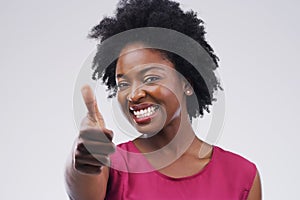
(91, 105)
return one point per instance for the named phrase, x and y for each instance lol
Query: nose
(136, 94)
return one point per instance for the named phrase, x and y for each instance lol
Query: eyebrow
(143, 71)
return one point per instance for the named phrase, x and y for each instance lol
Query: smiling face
(150, 90)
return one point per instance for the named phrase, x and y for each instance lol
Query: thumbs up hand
(94, 144)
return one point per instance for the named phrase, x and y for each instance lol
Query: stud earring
(188, 92)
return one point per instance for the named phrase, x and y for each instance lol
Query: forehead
(137, 57)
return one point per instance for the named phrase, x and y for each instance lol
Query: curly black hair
(132, 14)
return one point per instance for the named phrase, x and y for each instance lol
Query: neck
(170, 144)
(177, 135)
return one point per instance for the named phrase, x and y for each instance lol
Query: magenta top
(227, 176)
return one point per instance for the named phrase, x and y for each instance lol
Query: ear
(187, 88)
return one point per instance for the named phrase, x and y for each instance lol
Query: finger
(91, 104)
(89, 100)
(92, 147)
(96, 134)
(99, 116)
(87, 169)
(95, 147)
(94, 160)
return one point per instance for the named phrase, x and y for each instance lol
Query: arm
(255, 191)
(86, 171)
(81, 186)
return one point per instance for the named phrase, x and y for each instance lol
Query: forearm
(85, 186)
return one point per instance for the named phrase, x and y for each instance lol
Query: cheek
(122, 101)
(166, 95)
(119, 97)
(170, 100)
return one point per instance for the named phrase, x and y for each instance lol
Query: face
(150, 91)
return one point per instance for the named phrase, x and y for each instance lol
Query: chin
(150, 126)
(147, 131)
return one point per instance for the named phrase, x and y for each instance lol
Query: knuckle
(104, 160)
(84, 122)
(91, 129)
(107, 131)
(87, 122)
(77, 156)
(81, 147)
(77, 166)
(112, 148)
(84, 131)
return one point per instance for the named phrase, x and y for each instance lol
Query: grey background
(43, 47)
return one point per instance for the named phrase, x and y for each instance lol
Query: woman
(159, 93)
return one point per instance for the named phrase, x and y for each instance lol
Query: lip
(143, 120)
(140, 106)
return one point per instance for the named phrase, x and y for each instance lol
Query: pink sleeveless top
(227, 176)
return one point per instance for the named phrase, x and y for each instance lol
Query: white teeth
(144, 113)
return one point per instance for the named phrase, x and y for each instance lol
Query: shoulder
(234, 165)
(230, 158)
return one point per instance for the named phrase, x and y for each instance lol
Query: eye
(122, 85)
(151, 79)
